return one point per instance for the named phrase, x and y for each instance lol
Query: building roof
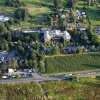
(97, 30)
(5, 56)
(4, 18)
(49, 34)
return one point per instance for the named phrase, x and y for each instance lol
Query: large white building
(49, 34)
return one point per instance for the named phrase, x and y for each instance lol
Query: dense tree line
(28, 50)
(13, 3)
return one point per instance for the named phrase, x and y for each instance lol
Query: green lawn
(72, 63)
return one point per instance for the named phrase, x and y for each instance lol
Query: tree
(41, 64)
(4, 45)
(91, 2)
(32, 63)
(25, 63)
(96, 39)
(70, 3)
(32, 60)
(80, 50)
(57, 4)
(2, 28)
(35, 36)
(21, 14)
(13, 63)
(55, 50)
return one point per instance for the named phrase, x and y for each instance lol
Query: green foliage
(55, 50)
(2, 28)
(13, 64)
(4, 45)
(21, 14)
(81, 50)
(96, 39)
(57, 4)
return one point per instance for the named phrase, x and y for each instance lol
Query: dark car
(70, 78)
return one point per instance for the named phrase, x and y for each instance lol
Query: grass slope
(85, 89)
(72, 63)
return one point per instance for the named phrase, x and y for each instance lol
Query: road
(62, 55)
(51, 77)
(36, 77)
(96, 71)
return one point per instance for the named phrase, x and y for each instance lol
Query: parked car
(13, 76)
(70, 78)
(5, 77)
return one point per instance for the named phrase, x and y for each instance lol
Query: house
(97, 29)
(4, 18)
(80, 14)
(6, 56)
(11, 71)
(48, 35)
(70, 49)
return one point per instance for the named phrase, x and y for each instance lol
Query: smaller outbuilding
(4, 18)
(97, 29)
(6, 56)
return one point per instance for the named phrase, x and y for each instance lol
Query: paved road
(59, 76)
(76, 72)
(61, 55)
(36, 77)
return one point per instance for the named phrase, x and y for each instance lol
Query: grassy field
(72, 63)
(84, 89)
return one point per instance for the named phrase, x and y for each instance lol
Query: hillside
(36, 8)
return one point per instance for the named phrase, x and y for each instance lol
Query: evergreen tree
(13, 64)
(57, 4)
(70, 3)
(21, 14)
(3, 29)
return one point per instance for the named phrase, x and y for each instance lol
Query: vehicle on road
(5, 77)
(70, 78)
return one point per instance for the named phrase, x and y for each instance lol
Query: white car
(4, 77)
